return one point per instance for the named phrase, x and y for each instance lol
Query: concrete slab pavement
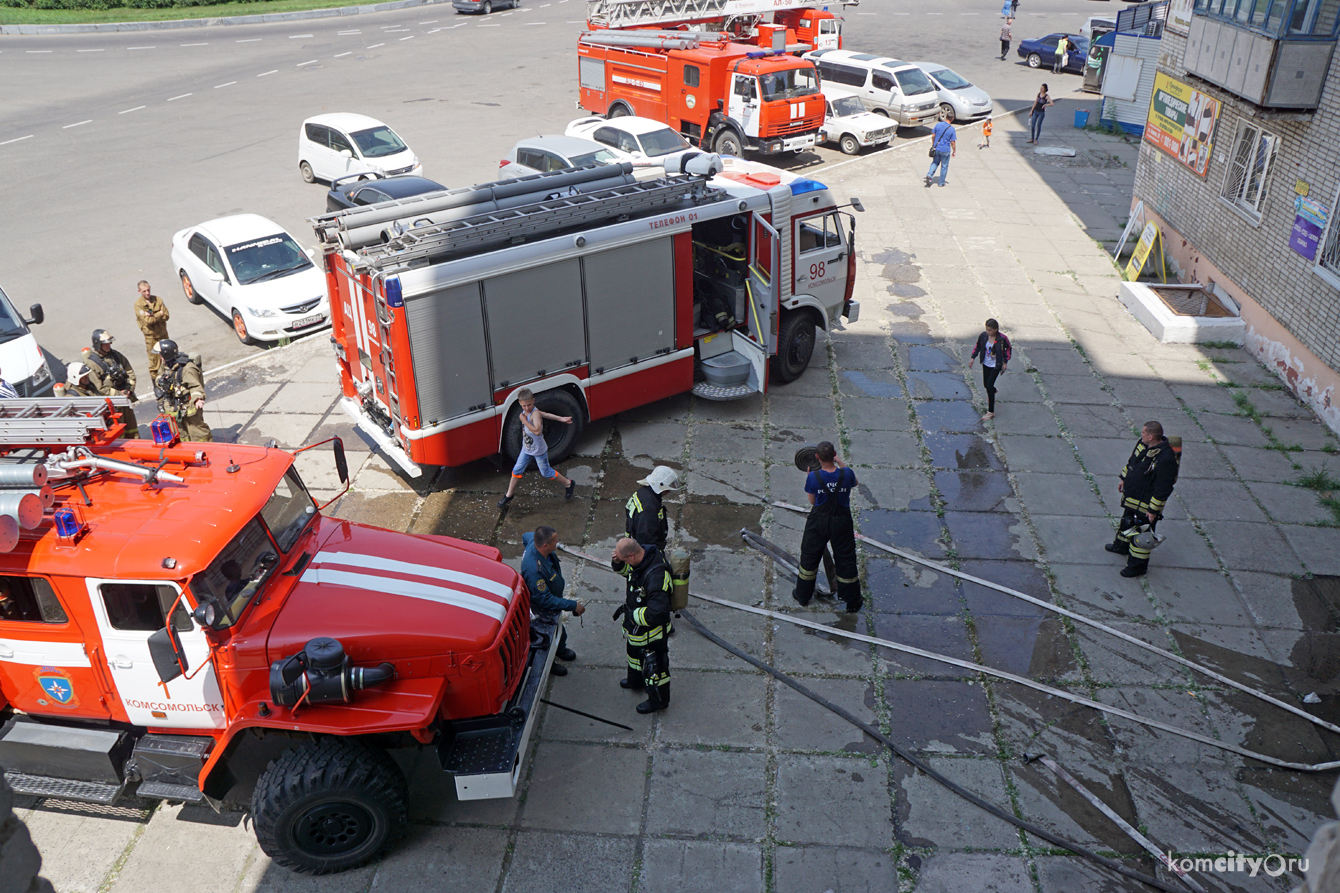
(741, 785)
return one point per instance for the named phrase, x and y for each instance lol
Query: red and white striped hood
(386, 595)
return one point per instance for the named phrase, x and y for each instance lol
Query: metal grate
(159, 790)
(1248, 173)
(64, 788)
(722, 392)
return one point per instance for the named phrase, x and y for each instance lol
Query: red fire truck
(171, 614)
(597, 291)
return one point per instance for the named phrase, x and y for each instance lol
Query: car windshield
(846, 106)
(11, 325)
(237, 574)
(269, 258)
(288, 510)
(662, 142)
(378, 142)
(914, 82)
(792, 82)
(950, 80)
(600, 156)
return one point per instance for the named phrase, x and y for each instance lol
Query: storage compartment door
(630, 303)
(451, 364)
(535, 322)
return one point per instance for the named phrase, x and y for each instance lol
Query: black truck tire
(795, 345)
(328, 806)
(560, 437)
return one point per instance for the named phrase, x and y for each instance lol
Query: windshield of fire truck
(789, 83)
(237, 573)
(288, 510)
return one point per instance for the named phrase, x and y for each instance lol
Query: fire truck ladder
(632, 13)
(63, 421)
(551, 215)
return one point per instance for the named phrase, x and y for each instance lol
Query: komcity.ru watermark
(1272, 865)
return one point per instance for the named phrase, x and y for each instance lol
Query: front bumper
(275, 328)
(773, 145)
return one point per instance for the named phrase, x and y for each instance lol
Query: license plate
(309, 321)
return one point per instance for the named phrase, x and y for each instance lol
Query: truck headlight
(41, 376)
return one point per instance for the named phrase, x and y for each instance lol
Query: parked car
(1040, 52)
(643, 139)
(22, 362)
(337, 145)
(959, 99)
(538, 154)
(852, 127)
(483, 6)
(889, 87)
(253, 272)
(370, 188)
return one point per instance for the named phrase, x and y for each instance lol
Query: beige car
(887, 86)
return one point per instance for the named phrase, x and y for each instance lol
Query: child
(986, 133)
(995, 350)
(533, 447)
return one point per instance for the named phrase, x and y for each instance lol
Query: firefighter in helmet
(112, 376)
(644, 515)
(829, 490)
(645, 613)
(180, 389)
(76, 381)
(1145, 485)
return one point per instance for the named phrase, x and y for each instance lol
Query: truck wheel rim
(331, 829)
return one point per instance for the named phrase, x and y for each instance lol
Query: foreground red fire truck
(597, 291)
(173, 614)
(804, 26)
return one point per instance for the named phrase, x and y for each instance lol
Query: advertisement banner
(1181, 122)
(1179, 16)
(1309, 223)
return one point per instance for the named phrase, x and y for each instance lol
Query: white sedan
(540, 154)
(253, 272)
(852, 127)
(647, 141)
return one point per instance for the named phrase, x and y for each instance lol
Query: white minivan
(340, 144)
(22, 363)
(887, 86)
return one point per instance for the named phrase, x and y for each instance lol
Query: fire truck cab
(171, 614)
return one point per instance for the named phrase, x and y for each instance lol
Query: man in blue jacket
(544, 578)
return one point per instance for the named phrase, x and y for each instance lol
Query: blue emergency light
(802, 185)
(164, 430)
(394, 296)
(68, 525)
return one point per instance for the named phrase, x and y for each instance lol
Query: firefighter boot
(1118, 546)
(1135, 567)
(658, 698)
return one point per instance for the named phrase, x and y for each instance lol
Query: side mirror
(264, 563)
(166, 651)
(311, 252)
(341, 461)
(36, 314)
(856, 203)
(347, 153)
(214, 275)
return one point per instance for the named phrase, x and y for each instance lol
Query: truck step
(159, 790)
(709, 391)
(64, 788)
(481, 750)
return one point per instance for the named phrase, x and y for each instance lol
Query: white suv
(337, 145)
(649, 142)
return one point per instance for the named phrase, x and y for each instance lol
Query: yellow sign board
(1141, 255)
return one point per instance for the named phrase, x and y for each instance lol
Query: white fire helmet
(661, 479)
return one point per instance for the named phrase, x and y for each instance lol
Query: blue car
(1041, 52)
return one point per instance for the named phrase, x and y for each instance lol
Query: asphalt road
(116, 141)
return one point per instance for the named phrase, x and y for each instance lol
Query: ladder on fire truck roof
(62, 421)
(630, 13)
(549, 215)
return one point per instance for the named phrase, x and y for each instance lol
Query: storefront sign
(1181, 122)
(1309, 223)
(1179, 16)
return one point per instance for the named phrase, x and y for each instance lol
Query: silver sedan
(959, 99)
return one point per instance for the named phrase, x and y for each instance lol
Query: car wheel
(1034, 60)
(727, 142)
(488, 7)
(306, 170)
(240, 329)
(884, 112)
(188, 289)
(618, 110)
(849, 145)
(948, 111)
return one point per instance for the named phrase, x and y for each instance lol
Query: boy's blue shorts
(541, 462)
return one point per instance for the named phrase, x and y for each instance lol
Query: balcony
(1274, 53)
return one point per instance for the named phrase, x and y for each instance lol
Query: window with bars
(1328, 258)
(1248, 171)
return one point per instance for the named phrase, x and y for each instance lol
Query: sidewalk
(742, 785)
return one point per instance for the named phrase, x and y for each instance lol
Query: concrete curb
(224, 20)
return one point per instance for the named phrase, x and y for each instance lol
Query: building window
(1248, 174)
(1328, 258)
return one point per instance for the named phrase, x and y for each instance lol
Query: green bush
(112, 4)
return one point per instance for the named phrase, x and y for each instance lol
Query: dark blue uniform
(544, 579)
(830, 522)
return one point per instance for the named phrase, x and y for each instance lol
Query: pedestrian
(1014, 8)
(995, 350)
(76, 381)
(152, 315)
(986, 135)
(180, 390)
(1145, 485)
(1041, 103)
(544, 578)
(1059, 60)
(829, 521)
(1006, 35)
(644, 513)
(533, 447)
(111, 376)
(944, 145)
(645, 613)
(7, 390)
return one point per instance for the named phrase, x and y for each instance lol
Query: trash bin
(1081, 118)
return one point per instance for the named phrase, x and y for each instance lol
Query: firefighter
(76, 381)
(152, 315)
(1145, 485)
(829, 491)
(180, 389)
(645, 613)
(644, 515)
(544, 578)
(112, 376)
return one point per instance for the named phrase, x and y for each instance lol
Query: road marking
(77, 123)
(298, 36)
(39, 51)
(183, 96)
(395, 30)
(249, 40)
(350, 53)
(141, 48)
(375, 45)
(461, 25)
(264, 73)
(348, 32)
(435, 30)
(411, 37)
(482, 25)
(17, 140)
(193, 44)
(135, 109)
(308, 62)
(89, 51)
(229, 84)
(429, 22)
(535, 23)
(545, 5)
